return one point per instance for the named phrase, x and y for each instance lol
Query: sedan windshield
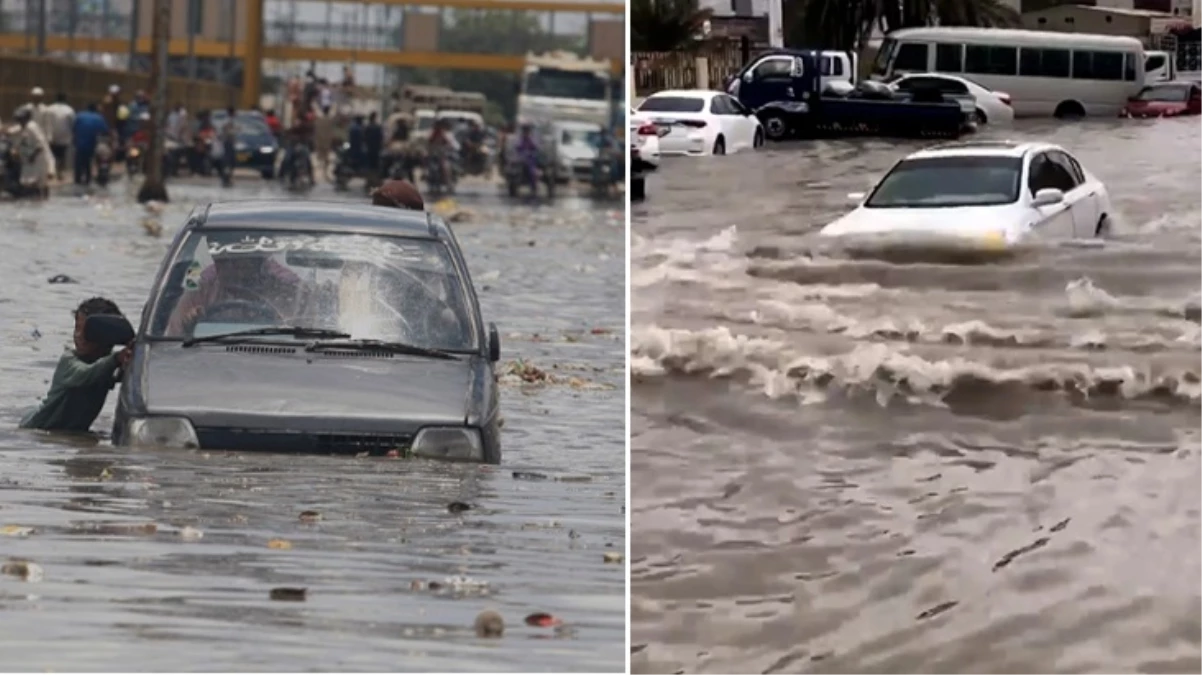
(949, 181)
(1165, 94)
(370, 287)
(678, 104)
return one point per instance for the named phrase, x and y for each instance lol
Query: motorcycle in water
(133, 160)
(342, 169)
(298, 169)
(401, 162)
(104, 163)
(439, 173)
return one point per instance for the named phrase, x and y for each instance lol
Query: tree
(846, 24)
(489, 32)
(665, 25)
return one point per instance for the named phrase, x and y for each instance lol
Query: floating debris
(612, 557)
(23, 570)
(61, 279)
(16, 531)
(191, 533)
(489, 624)
(529, 475)
(289, 594)
(542, 620)
(310, 516)
(458, 507)
(279, 544)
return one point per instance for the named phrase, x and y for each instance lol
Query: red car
(1165, 99)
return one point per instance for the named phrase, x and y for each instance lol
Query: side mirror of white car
(1048, 196)
(855, 197)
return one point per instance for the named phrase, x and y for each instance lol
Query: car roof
(983, 149)
(307, 216)
(705, 94)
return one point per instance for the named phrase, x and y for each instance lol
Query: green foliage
(489, 32)
(844, 24)
(665, 25)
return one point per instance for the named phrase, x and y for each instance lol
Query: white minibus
(1046, 73)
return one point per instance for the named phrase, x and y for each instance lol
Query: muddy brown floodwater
(164, 561)
(862, 466)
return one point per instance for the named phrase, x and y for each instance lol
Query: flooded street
(860, 465)
(167, 560)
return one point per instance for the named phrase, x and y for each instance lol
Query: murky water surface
(848, 465)
(161, 560)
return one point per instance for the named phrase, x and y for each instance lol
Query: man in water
(83, 378)
(270, 289)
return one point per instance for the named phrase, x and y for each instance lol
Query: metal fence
(85, 84)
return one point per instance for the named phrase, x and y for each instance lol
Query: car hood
(216, 387)
(959, 223)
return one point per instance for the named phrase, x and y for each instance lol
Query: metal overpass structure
(367, 45)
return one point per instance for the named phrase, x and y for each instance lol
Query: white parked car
(644, 154)
(577, 149)
(701, 122)
(990, 195)
(990, 107)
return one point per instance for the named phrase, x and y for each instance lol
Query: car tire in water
(638, 189)
(776, 126)
(1069, 110)
(1103, 229)
(981, 117)
(758, 140)
(720, 146)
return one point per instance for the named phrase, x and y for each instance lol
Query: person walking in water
(37, 164)
(228, 137)
(89, 128)
(60, 125)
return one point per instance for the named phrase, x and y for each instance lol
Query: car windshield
(1164, 94)
(373, 287)
(245, 124)
(949, 181)
(580, 136)
(425, 122)
(680, 104)
(555, 83)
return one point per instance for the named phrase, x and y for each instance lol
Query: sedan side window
(951, 86)
(1045, 173)
(1065, 167)
(1075, 169)
(739, 108)
(717, 107)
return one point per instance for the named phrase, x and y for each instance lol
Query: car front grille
(212, 438)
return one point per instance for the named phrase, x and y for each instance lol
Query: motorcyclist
(298, 139)
(355, 137)
(442, 146)
(37, 163)
(473, 145)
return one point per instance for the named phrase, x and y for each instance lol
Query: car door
(732, 123)
(747, 121)
(1054, 221)
(1081, 196)
(769, 80)
(720, 114)
(954, 90)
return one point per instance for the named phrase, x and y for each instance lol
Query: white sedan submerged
(988, 195)
(701, 122)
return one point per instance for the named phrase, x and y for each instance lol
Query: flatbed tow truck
(784, 89)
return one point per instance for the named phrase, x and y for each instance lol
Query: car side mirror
(855, 197)
(747, 77)
(1048, 196)
(494, 343)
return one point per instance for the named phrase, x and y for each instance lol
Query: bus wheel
(1069, 110)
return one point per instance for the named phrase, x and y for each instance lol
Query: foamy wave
(888, 372)
(1086, 299)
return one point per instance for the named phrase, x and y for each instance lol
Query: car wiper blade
(380, 345)
(292, 331)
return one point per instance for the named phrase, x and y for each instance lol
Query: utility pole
(41, 27)
(135, 16)
(153, 188)
(776, 35)
(193, 6)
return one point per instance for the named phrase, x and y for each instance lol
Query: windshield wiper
(292, 331)
(380, 345)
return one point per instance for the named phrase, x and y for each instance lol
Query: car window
(1075, 168)
(738, 108)
(949, 181)
(1154, 61)
(373, 287)
(1045, 173)
(779, 67)
(718, 106)
(1164, 93)
(912, 56)
(949, 86)
(1062, 162)
(679, 104)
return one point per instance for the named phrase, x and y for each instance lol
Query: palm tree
(844, 24)
(665, 25)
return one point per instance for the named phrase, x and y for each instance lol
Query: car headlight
(162, 432)
(994, 241)
(449, 443)
(239, 146)
(266, 149)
